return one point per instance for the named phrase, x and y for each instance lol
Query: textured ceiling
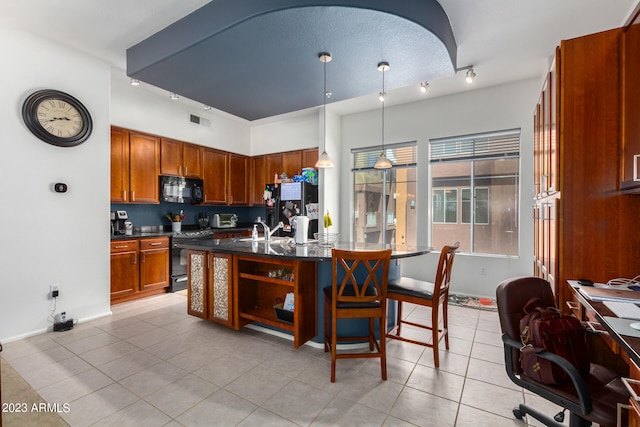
(259, 58)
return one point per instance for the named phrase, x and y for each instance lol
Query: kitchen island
(238, 281)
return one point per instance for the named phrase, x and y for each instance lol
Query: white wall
(289, 133)
(136, 107)
(495, 108)
(49, 237)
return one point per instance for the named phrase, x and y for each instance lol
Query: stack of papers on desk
(593, 293)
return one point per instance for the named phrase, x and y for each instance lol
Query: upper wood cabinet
(309, 158)
(630, 92)
(119, 165)
(292, 163)
(179, 158)
(273, 166)
(215, 176)
(239, 181)
(258, 179)
(135, 166)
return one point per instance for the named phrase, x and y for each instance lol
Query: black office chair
(590, 398)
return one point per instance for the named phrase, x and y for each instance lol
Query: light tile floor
(152, 364)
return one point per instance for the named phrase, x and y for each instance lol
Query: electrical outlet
(54, 290)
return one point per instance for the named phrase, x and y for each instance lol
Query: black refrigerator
(289, 199)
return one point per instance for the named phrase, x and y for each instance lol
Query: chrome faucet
(268, 233)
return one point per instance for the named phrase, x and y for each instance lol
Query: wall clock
(57, 118)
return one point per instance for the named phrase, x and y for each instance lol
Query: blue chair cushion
(411, 287)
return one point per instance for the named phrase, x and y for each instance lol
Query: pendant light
(324, 161)
(383, 162)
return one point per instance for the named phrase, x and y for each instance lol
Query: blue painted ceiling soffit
(259, 58)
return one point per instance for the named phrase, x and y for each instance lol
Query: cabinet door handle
(155, 244)
(135, 258)
(133, 196)
(180, 170)
(119, 247)
(142, 256)
(124, 194)
(186, 170)
(635, 167)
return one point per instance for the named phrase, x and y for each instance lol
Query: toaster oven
(221, 220)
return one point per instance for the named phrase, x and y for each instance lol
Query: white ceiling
(505, 40)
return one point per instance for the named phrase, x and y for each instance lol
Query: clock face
(57, 118)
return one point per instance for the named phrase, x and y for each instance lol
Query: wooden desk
(595, 311)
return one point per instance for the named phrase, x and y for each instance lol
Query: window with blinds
(400, 155)
(475, 192)
(384, 200)
(503, 144)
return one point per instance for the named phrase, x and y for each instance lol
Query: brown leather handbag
(549, 329)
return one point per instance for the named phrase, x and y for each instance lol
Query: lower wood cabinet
(139, 268)
(209, 287)
(125, 276)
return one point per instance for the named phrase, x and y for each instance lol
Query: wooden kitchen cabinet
(261, 282)
(258, 180)
(273, 166)
(239, 181)
(309, 158)
(135, 166)
(139, 268)
(215, 176)
(209, 286)
(154, 262)
(124, 269)
(179, 158)
(630, 93)
(219, 293)
(292, 163)
(587, 215)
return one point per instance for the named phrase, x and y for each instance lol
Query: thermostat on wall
(60, 187)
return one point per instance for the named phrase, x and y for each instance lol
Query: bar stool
(360, 293)
(434, 295)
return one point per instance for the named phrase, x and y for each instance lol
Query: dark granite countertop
(286, 249)
(159, 231)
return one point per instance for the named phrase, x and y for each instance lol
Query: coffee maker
(118, 219)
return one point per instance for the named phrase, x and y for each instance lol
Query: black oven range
(179, 256)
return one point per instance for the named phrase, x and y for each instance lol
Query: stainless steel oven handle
(181, 279)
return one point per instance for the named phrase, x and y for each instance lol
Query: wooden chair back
(365, 275)
(443, 273)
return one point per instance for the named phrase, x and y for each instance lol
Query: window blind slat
(475, 147)
(400, 155)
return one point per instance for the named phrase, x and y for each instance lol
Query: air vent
(201, 121)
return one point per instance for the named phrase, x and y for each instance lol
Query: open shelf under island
(237, 281)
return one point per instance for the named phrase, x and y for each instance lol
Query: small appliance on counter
(222, 220)
(118, 222)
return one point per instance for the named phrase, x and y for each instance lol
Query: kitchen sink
(272, 239)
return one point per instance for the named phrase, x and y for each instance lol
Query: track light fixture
(135, 82)
(382, 162)
(173, 95)
(206, 107)
(470, 76)
(324, 161)
(470, 73)
(424, 87)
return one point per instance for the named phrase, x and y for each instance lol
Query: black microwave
(176, 189)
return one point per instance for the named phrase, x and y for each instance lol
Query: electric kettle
(302, 229)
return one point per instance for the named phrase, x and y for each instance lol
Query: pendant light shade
(324, 161)
(383, 162)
